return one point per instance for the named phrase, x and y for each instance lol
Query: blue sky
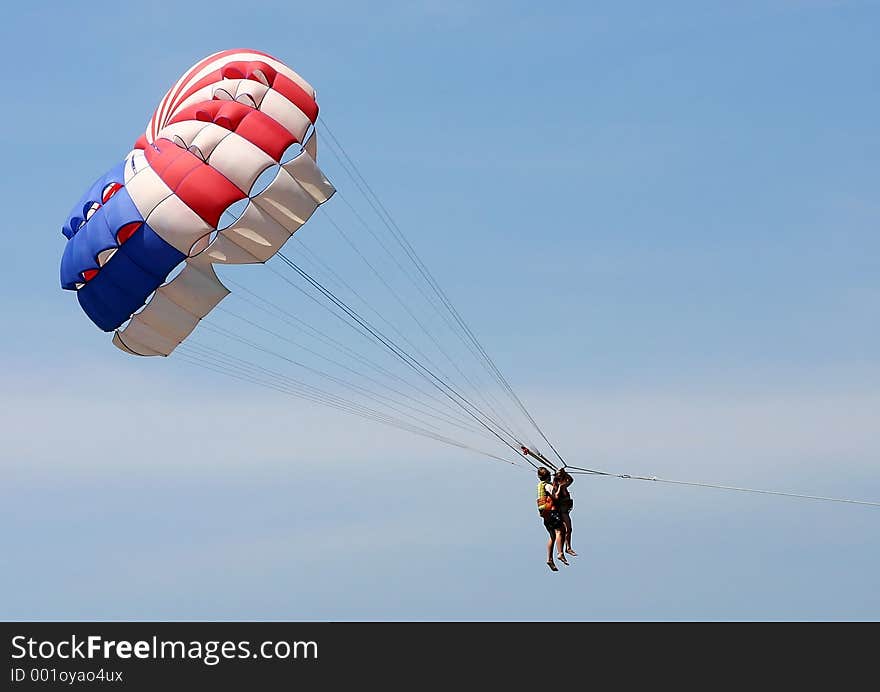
(661, 221)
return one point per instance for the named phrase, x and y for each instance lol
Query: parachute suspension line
(427, 298)
(415, 283)
(250, 372)
(395, 230)
(300, 389)
(456, 421)
(363, 391)
(199, 360)
(441, 385)
(358, 324)
(627, 476)
(473, 388)
(334, 343)
(360, 298)
(378, 275)
(349, 324)
(373, 396)
(313, 257)
(227, 364)
(329, 400)
(314, 332)
(437, 382)
(254, 372)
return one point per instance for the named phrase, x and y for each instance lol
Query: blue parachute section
(78, 214)
(124, 283)
(109, 294)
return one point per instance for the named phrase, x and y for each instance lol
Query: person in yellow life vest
(547, 499)
(562, 480)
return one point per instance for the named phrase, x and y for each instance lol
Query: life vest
(545, 501)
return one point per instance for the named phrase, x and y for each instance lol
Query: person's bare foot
(562, 559)
(552, 566)
(570, 552)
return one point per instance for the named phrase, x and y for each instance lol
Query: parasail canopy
(225, 173)
(142, 240)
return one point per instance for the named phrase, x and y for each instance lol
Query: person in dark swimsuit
(552, 519)
(564, 505)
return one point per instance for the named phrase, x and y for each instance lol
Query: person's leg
(551, 536)
(560, 544)
(567, 522)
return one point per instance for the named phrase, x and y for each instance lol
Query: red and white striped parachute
(226, 122)
(225, 173)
